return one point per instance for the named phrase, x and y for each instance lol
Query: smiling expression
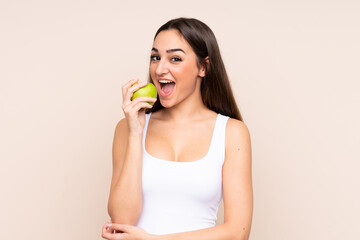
(174, 69)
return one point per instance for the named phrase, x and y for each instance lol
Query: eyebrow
(169, 50)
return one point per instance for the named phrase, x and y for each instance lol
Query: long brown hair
(215, 86)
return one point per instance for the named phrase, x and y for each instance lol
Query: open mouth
(166, 87)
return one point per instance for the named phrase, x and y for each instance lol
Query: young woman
(174, 162)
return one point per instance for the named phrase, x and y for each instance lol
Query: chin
(166, 103)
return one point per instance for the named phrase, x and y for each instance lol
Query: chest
(181, 142)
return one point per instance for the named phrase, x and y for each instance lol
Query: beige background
(294, 67)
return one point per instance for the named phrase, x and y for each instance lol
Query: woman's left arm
(237, 196)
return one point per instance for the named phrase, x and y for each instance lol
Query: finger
(109, 236)
(136, 86)
(117, 236)
(128, 93)
(133, 89)
(144, 99)
(132, 111)
(123, 228)
(138, 103)
(109, 230)
(106, 227)
(118, 228)
(106, 232)
(128, 85)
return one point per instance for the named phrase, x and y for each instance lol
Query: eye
(154, 58)
(176, 59)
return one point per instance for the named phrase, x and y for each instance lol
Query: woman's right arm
(125, 199)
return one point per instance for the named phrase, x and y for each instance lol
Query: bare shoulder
(236, 130)
(121, 128)
(237, 143)
(120, 139)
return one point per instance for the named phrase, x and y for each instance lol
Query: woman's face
(174, 69)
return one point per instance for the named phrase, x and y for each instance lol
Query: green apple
(148, 91)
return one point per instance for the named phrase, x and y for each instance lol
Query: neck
(186, 111)
(190, 109)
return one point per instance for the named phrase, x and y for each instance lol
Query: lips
(166, 87)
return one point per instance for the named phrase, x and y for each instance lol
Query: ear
(203, 67)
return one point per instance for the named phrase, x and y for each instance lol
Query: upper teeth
(164, 81)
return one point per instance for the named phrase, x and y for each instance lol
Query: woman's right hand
(135, 110)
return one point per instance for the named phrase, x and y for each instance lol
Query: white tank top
(183, 196)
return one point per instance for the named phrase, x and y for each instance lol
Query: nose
(161, 67)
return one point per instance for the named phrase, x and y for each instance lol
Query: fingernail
(108, 224)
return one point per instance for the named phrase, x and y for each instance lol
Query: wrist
(134, 135)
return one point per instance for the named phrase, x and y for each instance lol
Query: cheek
(188, 70)
(152, 70)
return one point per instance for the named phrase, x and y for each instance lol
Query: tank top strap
(147, 117)
(218, 141)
